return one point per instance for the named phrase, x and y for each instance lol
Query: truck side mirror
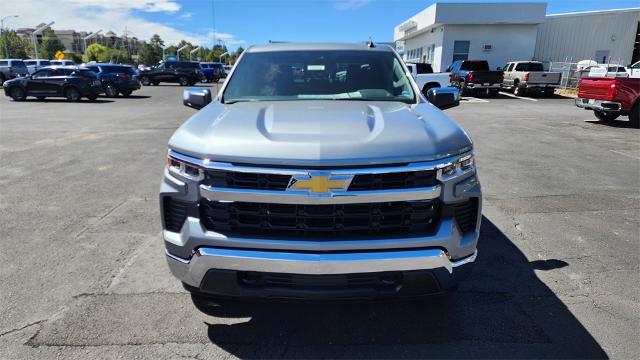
(196, 98)
(444, 98)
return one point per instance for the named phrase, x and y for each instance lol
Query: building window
(461, 50)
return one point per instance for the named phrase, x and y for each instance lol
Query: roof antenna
(370, 43)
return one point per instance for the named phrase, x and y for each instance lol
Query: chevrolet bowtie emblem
(319, 183)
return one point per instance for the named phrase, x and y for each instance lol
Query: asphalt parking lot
(83, 273)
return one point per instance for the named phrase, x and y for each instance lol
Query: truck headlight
(461, 166)
(184, 169)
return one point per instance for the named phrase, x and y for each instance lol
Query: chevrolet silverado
(610, 97)
(319, 171)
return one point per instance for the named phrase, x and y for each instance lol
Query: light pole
(178, 51)
(223, 55)
(6, 48)
(89, 37)
(193, 51)
(35, 38)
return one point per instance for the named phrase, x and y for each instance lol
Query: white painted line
(517, 97)
(473, 99)
(625, 154)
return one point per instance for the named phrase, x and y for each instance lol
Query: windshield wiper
(233, 101)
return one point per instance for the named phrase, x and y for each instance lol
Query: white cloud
(351, 4)
(186, 15)
(114, 15)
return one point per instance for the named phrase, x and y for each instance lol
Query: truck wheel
(156, 83)
(2, 79)
(125, 93)
(110, 91)
(493, 93)
(462, 87)
(183, 81)
(17, 93)
(145, 81)
(634, 116)
(519, 90)
(605, 116)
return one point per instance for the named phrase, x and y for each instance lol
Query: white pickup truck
(426, 79)
(524, 76)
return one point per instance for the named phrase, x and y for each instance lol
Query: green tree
(150, 54)
(15, 45)
(50, 44)
(95, 52)
(156, 40)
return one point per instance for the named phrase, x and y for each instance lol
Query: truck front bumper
(600, 105)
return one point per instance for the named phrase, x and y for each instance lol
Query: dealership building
(503, 32)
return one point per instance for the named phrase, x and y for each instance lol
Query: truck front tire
(634, 116)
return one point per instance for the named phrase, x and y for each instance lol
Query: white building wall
(577, 37)
(424, 41)
(509, 42)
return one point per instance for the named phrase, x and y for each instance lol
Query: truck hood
(320, 133)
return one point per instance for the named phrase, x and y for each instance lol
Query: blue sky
(246, 22)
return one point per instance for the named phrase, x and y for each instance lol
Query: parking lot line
(517, 97)
(472, 99)
(625, 154)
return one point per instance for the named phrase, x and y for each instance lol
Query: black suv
(116, 78)
(181, 72)
(70, 82)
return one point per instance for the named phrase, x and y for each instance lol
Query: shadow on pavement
(621, 122)
(62, 100)
(502, 310)
(133, 97)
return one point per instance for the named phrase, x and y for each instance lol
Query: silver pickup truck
(319, 171)
(522, 77)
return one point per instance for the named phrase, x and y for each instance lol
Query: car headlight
(461, 166)
(184, 169)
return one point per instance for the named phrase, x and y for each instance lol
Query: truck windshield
(319, 75)
(529, 67)
(475, 66)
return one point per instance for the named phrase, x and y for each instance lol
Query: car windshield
(116, 69)
(319, 75)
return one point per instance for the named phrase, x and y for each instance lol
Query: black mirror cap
(444, 98)
(195, 97)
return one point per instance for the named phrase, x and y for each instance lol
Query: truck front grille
(326, 222)
(175, 213)
(360, 182)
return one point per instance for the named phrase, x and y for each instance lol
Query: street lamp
(193, 51)
(35, 38)
(223, 55)
(162, 47)
(89, 37)
(178, 51)
(6, 48)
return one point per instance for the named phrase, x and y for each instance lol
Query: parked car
(426, 79)
(525, 76)
(310, 184)
(34, 65)
(610, 97)
(62, 62)
(11, 68)
(116, 79)
(181, 72)
(73, 83)
(211, 71)
(474, 76)
(606, 70)
(143, 67)
(227, 69)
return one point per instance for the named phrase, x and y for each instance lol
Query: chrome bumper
(192, 271)
(601, 105)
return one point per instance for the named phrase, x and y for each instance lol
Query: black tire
(183, 81)
(605, 116)
(40, 98)
(72, 94)
(156, 83)
(493, 93)
(110, 90)
(519, 90)
(145, 81)
(92, 97)
(634, 116)
(125, 93)
(17, 93)
(462, 87)
(2, 79)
